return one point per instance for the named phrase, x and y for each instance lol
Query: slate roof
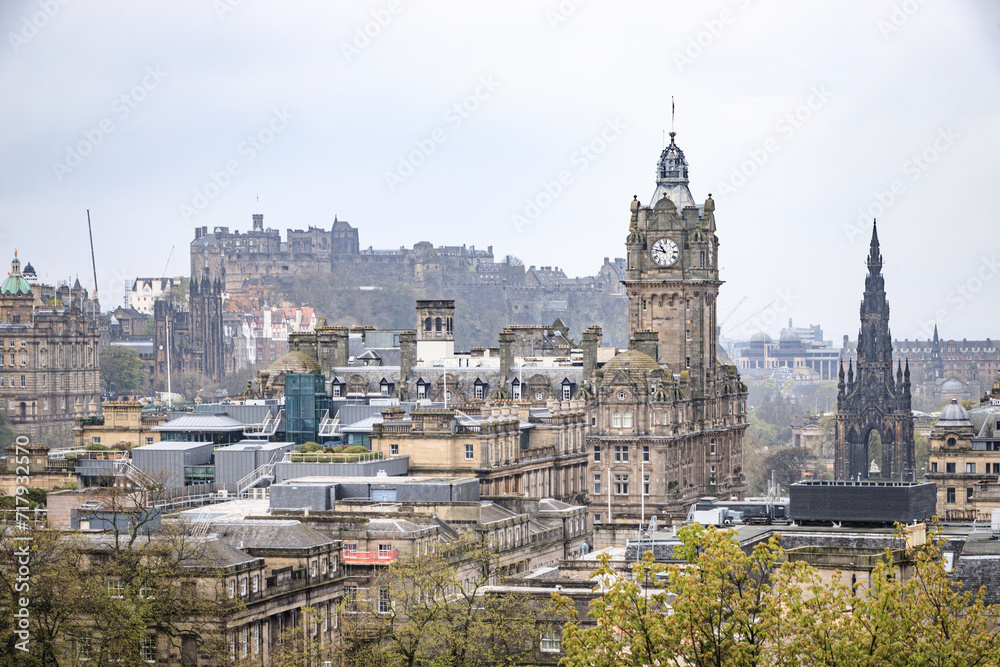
(269, 534)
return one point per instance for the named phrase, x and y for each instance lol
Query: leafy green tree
(121, 371)
(789, 464)
(434, 609)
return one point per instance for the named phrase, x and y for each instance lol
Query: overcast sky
(451, 122)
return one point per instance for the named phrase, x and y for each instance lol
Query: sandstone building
(48, 365)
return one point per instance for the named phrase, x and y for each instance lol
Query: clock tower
(672, 277)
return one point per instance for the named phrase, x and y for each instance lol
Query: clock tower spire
(672, 276)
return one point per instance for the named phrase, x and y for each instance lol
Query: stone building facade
(666, 416)
(874, 415)
(964, 459)
(49, 362)
(194, 332)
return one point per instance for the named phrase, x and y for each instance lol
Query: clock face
(664, 252)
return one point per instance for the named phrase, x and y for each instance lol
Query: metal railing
(328, 427)
(123, 467)
(370, 557)
(262, 472)
(266, 428)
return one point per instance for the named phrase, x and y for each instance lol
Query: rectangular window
(421, 391)
(621, 485)
(949, 468)
(116, 589)
(351, 547)
(243, 586)
(950, 495)
(516, 391)
(148, 649)
(996, 468)
(384, 389)
(970, 468)
(469, 452)
(968, 494)
(597, 485)
(645, 453)
(393, 450)
(149, 441)
(256, 637)
(232, 588)
(479, 391)
(255, 583)
(597, 452)
(711, 446)
(312, 569)
(687, 362)
(933, 466)
(336, 390)
(645, 485)
(384, 605)
(22, 380)
(567, 391)
(84, 648)
(551, 641)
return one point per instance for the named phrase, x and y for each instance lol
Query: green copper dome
(15, 283)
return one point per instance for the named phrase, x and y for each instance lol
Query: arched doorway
(24, 410)
(873, 453)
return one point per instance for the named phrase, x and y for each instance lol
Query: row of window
(85, 648)
(950, 494)
(621, 482)
(970, 468)
(621, 453)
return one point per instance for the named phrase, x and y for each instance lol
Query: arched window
(616, 419)
(627, 420)
(437, 324)
(427, 324)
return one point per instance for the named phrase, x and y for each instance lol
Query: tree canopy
(728, 607)
(121, 371)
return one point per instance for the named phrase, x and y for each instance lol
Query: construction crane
(748, 318)
(167, 263)
(735, 308)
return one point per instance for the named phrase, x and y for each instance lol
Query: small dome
(294, 362)
(790, 337)
(629, 361)
(760, 337)
(953, 416)
(15, 283)
(952, 384)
